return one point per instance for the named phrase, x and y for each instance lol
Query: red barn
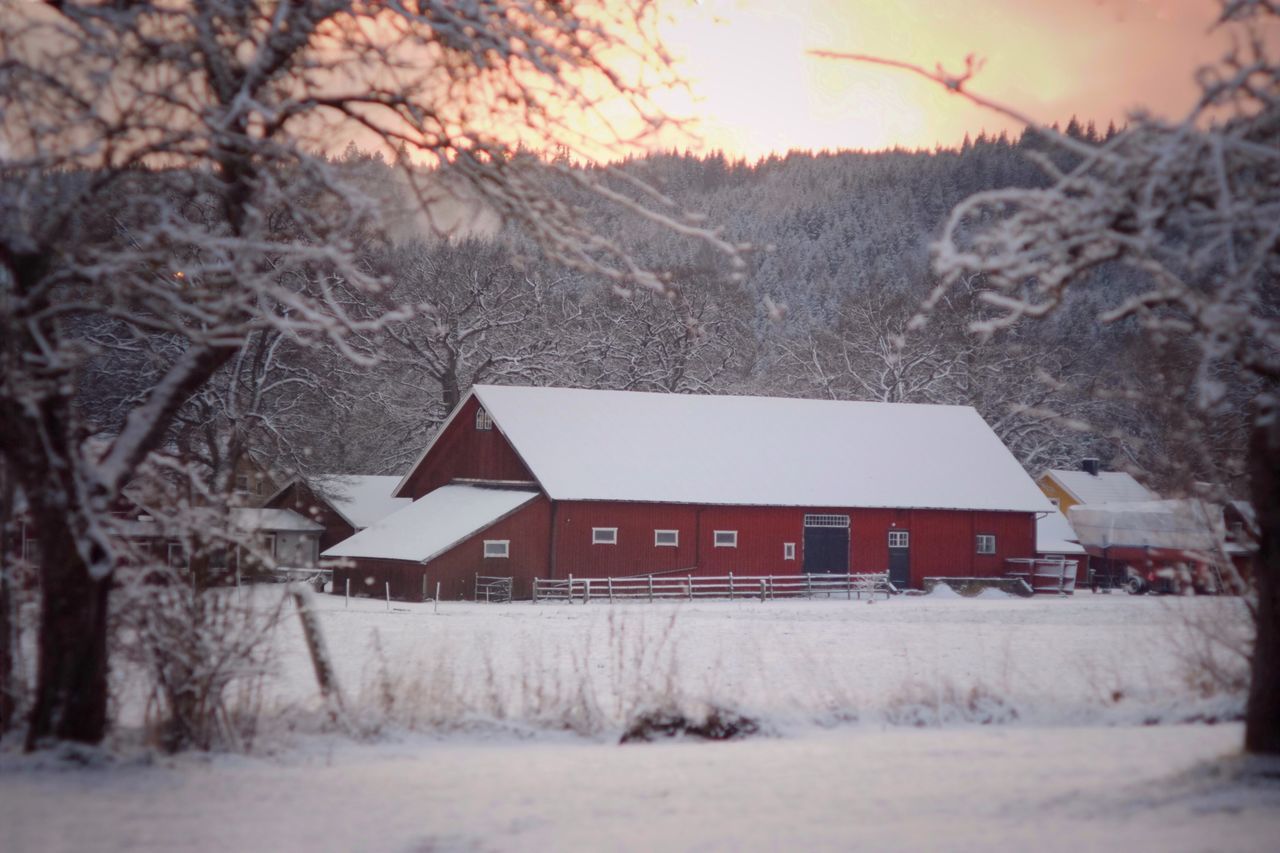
(553, 482)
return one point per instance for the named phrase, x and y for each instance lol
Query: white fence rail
(493, 589)
(690, 587)
(1045, 577)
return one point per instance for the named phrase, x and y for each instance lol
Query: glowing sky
(757, 91)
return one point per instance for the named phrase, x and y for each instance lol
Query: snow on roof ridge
(1103, 487)
(724, 449)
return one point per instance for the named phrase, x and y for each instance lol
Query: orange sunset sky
(755, 90)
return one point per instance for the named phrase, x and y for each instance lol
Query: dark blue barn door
(826, 544)
(900, 558)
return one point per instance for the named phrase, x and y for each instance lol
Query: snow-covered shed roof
(1054, 535)
(362, 499)
(758, 451)
(1105, 487)
(1177, 525)
(255, 519)
(433, 523)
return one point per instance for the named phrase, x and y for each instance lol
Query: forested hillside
(837, 250)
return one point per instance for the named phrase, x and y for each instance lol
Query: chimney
(1091, 465)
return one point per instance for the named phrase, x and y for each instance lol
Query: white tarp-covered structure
(260, 520)
(1054, 535)
(758, 451)
(1172, 525)
(433, 524)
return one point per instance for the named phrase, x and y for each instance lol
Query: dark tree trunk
(8, 701)
(1262, 713)
(71, 682)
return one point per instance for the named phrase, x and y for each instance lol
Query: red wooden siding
(526, 529)
(464, 451)
(942, 542)
(301, 499)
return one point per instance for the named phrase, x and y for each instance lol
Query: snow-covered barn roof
(362, 499)
(758, 451)
(433, 523)
(1054, 535)
(1176, 525)
(1102, 488)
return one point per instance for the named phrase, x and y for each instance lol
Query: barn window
(899, 538)
(604, 536)
(666, 538)
(242, 482)
(986, 543)
(497, 548)
(726, 539)
(788, 550)
(483, 421)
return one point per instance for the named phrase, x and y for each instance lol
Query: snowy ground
(874, 735)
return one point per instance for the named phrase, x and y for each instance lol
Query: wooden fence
(1045, 577)
(493, 589)
(732, 587)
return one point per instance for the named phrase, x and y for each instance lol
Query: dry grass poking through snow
(735, 668)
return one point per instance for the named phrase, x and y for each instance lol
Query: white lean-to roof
(1054, 535)
(1182, 525)
(758, 451)
(362, 498)
(433, 523)
(1105, 487)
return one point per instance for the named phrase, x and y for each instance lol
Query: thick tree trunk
(8, 702)
(1262, 713)
(71, 682)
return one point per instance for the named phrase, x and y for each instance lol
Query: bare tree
(1192, 206)
(162, 166)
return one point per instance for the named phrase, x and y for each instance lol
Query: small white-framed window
(725, 539)
(483, 421)
(666, 538)
(899, 538)
(497, 548)
(242, 482)
(604, 536)
(986, 543)
(788, 550)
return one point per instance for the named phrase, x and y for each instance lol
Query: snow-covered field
(917, 722)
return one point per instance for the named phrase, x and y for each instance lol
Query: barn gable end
(461, 451)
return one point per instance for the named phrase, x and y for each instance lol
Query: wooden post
(808, 585)
(348, 599)
(436, 607)
(650, 589)
(731, 586)
(691, 587)
(610, 582)
(848, 579)
(387, 586)
(424, 587)
(571, 589)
